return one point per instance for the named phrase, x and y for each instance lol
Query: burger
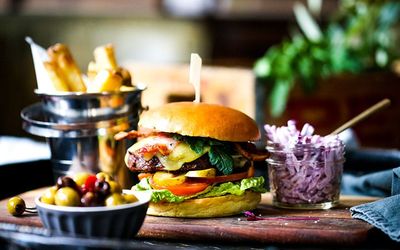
(196, 159)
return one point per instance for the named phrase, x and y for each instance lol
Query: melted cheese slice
(181, 152)
(179, 156)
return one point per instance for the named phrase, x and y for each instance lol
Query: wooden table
(333, 226)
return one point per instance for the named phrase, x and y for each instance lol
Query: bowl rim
(144, 198)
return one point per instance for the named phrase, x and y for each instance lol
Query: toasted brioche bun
(207, 207)
(201, 119)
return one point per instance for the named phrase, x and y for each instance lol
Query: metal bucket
(80, 129)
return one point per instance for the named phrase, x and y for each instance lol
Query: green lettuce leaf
(255, 184)
(143, 185)
(165, 195)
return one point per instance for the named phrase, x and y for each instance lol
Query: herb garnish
(220, 153)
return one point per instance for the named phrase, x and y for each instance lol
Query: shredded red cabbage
(252, 217)
(304, 168)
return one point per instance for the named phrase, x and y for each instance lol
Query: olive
(66, 181)
(67, 196)
(115, 187)
(102, 188)
(80, 178)
(104, 176)
(130, 198)
(115, 199)
(16, 206)
(48, 196)
(91, 199)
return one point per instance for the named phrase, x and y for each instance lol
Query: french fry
(126, 76)
(104, 57)
(92, 70)
(56, 77)
(60, 54)
(73, 74)
(106, 80)
(103, 73)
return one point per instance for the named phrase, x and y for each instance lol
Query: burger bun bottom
(207, 207)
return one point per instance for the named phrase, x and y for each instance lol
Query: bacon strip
(133, 134)
(250, 152)
(153, 145)
(151, 150)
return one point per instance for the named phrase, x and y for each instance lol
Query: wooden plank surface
(334, 226)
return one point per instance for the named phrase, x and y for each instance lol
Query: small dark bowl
(122, 222)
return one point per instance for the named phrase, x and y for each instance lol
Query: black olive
(102, 187)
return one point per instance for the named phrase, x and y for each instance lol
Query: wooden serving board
(334, 226)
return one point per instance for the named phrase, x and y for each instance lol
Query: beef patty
(139, 164)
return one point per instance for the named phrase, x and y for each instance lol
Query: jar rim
(306, 147)
(277, 162)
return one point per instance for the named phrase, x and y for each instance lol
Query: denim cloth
(378, 184)
(384, 214)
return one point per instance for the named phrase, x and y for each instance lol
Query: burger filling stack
(196, 159)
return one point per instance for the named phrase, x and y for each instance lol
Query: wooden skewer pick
(378, 106)
(194, 74)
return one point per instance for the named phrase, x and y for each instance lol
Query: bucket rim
(134, 89)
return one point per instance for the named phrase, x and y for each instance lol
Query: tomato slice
(184, 189)
(195, 185)
(144, 175)
(224, 178)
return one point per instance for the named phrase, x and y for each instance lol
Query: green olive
(16, 206)
(80, 178)
(130, 198)
(115, 199)
(48, 195)
(115, 187)
(104, 176)
(67, 196)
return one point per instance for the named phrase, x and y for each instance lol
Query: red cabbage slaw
(252, 217)
(304, 168)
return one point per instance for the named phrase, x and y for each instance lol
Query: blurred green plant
(362, 36)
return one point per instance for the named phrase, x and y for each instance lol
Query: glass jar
(305, 176)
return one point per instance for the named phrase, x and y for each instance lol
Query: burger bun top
(201, 119)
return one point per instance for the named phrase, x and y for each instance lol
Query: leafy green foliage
(197, 144)
(361, 38)
(255, 184)
(220, 153)
(220, 158)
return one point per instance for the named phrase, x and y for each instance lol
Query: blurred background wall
(229, 33)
